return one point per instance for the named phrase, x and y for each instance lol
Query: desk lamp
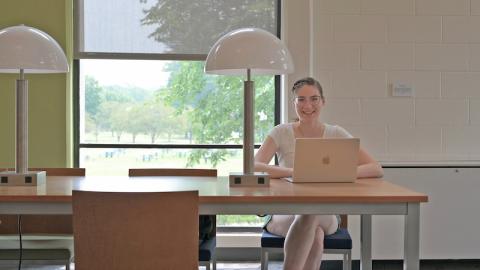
(23, 50)
(247, 52)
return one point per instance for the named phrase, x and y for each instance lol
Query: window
(143, 98)
(166, 28)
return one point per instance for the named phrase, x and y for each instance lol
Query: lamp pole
(248, 124)
(249, 177)
(22, 176)
(21, 164)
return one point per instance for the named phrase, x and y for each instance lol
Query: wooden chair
(206, 249)
(48, 239)
(172, 172)
(338, 243)
(135, 230)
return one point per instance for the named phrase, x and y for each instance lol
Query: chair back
(41, 224)
(135, 230)
(171, 172)
(55, 171)
(61, 171)
(204, 220)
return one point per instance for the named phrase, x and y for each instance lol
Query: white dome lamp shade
(25, 49)
(249, 48)
(249, 51)
(30, 49)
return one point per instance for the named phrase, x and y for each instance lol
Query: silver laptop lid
(325, 160)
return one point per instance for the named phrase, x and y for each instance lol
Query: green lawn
(118, 161)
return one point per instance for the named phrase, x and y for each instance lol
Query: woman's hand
(368, 167)
(263, 158)
(370, 170)
(273, 171)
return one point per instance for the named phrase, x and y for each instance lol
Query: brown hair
(307, 81)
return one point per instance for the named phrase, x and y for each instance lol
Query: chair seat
(339, 240)
(206, 249)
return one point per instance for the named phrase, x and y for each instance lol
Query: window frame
(77, 145)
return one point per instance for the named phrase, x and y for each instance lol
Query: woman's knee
(307, 220)
(314, 220)
(280, 224)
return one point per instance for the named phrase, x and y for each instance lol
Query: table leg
(412, 237)
(366, 242)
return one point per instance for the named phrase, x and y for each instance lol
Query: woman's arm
(368, 167)
(265, 155)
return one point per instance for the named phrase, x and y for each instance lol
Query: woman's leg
(280, 224)
(304, 241)
(314, 258)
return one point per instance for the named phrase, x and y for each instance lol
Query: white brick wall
(365, 84)
(442, 7)
(410, 29)
(474, 7)
(393, 56)
(389, 7)
(359, 28)
(475, 112)
(362, 47)
(340, 6)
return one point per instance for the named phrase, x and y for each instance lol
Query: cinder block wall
(360, 48)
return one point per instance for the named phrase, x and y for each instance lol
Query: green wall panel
(48, 93)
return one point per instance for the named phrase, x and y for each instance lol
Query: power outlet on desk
(22, 179)
(257, 179)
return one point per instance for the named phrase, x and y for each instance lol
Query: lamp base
(257, 179)
(22, 179)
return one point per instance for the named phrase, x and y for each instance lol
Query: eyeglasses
(314, 100)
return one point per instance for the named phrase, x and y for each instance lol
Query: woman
(304, 233)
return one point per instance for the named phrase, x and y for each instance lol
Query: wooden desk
(365, 197)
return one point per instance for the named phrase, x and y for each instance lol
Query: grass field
(115, 161)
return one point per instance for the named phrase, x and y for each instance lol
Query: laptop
(325, 160)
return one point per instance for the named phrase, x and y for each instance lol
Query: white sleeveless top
(284, 137)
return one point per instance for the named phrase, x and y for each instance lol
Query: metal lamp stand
(249, 177)
(21, 176)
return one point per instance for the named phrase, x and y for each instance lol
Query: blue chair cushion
(206, 249)
(339, 240)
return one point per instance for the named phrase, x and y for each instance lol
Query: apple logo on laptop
(326, 160)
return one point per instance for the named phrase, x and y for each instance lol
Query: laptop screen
(325, 160)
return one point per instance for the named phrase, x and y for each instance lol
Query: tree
(187, 26)
(213, 106)
(118, 116)
(126, 94)
(93, 96)
(135, 125)
(93, 102)
(154, 118)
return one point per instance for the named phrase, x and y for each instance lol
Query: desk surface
(365, 197)
(216, 190)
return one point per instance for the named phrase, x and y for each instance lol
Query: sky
(147, 74)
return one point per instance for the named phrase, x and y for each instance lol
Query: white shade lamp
(247, 52)
(23, 50)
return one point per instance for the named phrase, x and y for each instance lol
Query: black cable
(20, 240)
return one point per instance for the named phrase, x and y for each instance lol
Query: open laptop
(325, 160)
